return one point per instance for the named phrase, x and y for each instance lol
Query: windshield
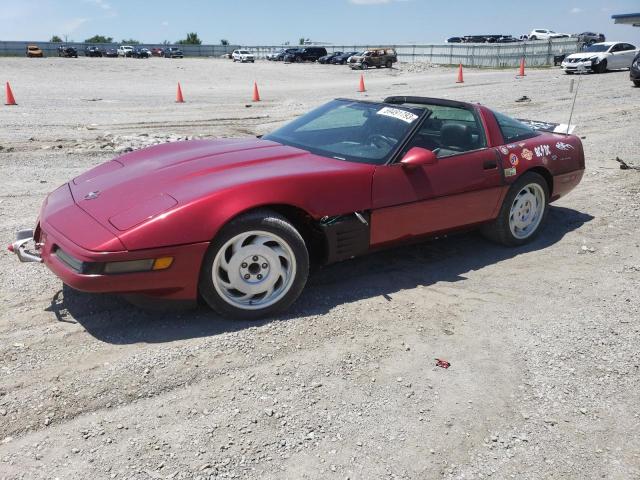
(243, 52)
(597, 48)
(351, 130)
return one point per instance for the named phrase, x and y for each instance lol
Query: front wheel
(256, 266)
(365, 66)
(523, 212)
(636, 83)
(389, 64)
(601, 67)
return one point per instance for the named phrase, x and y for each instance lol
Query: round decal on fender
(513, 159)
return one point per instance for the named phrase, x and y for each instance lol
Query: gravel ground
(543, 340)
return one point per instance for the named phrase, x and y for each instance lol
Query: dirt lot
(543, 340)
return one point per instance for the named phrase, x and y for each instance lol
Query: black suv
(66, 51)
(92, 51)
(634, 71)
(306, 54)
(173, 52)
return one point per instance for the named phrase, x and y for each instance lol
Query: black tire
(636, 83)
(265, 220)
(533, 37)
(499, 230)
(298, 59)
(388, 64)
(601, 67)
(568, 72)
(365, 66)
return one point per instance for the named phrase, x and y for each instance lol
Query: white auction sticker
(397, 113)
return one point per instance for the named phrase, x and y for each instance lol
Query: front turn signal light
(162, 263)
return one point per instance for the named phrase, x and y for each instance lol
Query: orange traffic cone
(460, 75)
(179, 97)
(361, 86)
(10, 99)
(521, 74)
(256, 93)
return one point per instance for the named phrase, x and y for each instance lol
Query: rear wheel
(255, 267)
(522, 213)
(389, 64)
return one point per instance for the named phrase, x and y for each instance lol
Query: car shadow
(112, 319)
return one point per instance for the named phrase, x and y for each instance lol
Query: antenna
(580, 71)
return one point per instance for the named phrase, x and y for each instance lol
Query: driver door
(463, 188)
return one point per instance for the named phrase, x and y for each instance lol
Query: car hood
(586, 55)
(141, 185)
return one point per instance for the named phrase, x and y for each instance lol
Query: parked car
(634, 71)
(305, 54)
(272, 55)
(342, 59)
(545, 34)
(279, 57)
(455, 40)
(507, 39)
(327, 58)
(242, 56)
(600, 57)
(109, 52)
(590, 37)
(173, 52)
(67, 51)
(162, 222)
(376, 57)
(34, 51)
(157, 52)
(92, 51)
(141, 52)
(125, 51)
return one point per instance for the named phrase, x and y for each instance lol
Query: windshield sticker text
(398, 114)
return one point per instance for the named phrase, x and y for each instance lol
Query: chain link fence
(490, 55)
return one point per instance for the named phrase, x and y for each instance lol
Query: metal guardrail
(491, 55)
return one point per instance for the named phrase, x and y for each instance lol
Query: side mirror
(417, 157)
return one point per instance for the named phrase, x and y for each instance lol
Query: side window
(513, 130)
(449, 131)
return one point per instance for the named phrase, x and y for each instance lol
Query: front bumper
(585, 66)
(77, 267)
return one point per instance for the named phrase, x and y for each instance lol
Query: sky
(273, 22)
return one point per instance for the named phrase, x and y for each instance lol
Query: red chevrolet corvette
(237, 222)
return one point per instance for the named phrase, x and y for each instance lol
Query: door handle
(490, 165)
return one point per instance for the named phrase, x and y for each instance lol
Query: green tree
(99, 39)
(129, 41)
(55, 39)
(224, 42)
(192, 39)
(303, 40)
